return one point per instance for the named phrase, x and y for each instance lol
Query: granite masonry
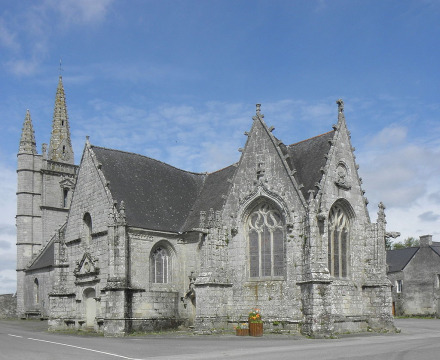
(124, 242)
(415, 275)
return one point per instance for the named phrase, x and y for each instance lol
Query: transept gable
(263, 164)
(91, 195)
(340, 173)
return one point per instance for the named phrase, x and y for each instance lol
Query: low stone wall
(8, 306)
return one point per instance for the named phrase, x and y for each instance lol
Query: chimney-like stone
(425, 240)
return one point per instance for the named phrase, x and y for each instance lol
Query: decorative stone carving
(86, 270)
(342, 177)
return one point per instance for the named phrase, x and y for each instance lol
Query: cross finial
(61, 68)
(340, 103)
(258, 115)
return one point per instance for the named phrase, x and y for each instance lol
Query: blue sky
(179, 80)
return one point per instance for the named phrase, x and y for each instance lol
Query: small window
(399, 284)
(160, 266)
(437, 282)
(36, 292)
(87, 228)
(65, 197)
(64, 149)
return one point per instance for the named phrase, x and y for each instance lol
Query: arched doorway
(89, 296)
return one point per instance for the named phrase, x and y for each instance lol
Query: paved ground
(20, 339)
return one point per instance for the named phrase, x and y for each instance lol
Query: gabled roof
(399, 258)
(45, 259)
(212, 195)
(157, 196)
(436, 247)
(308, 157)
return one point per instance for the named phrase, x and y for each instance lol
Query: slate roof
(157, 196)
(45, 259)
(399, 258)
(212, 195)
(307, 157)
(436, 247)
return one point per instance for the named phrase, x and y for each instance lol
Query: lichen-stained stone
(127, 243)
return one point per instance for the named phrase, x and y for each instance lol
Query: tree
(408, 242)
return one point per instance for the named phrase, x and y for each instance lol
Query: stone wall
(420, 285)
(8, 306)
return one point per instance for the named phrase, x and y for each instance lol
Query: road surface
(22, 340)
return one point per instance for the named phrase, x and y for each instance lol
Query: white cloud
(8, 38)
(81, 11)
(7, 229)
(8, 281)
(26, 34)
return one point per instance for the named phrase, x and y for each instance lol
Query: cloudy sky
(179, 80)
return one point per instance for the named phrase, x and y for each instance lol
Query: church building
(123, 242)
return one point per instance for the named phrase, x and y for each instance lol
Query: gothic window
(265, 230)
(87, 228)
(338, 242)
(36, 292)
(160, 266)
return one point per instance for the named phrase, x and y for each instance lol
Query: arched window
(265, 230)
(87, 228)
(160, 266)
(338, 242)
(36, 291)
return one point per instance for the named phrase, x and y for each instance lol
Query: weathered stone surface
(285, 230)
(8, 306)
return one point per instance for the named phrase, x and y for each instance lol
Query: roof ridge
(148, 157)
(405, 248)
(224, 168)
(313, 137)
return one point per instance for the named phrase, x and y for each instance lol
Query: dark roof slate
(45, 259)
(399, 258)
(212, 195)
(436, 247)
(157, 196)
(308, 157)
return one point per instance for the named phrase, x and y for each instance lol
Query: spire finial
(340, 103)
(61, 68)
(258, 114)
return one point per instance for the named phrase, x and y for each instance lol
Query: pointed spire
(27, 140)
(60, 147)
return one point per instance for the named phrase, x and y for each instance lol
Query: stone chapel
(123, 242)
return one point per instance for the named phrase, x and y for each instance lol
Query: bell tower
(45, 184)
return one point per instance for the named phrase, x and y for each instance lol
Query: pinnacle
(27, 140)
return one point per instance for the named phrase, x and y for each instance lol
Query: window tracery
(265, 230)
(338, 242)
(160, 266)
